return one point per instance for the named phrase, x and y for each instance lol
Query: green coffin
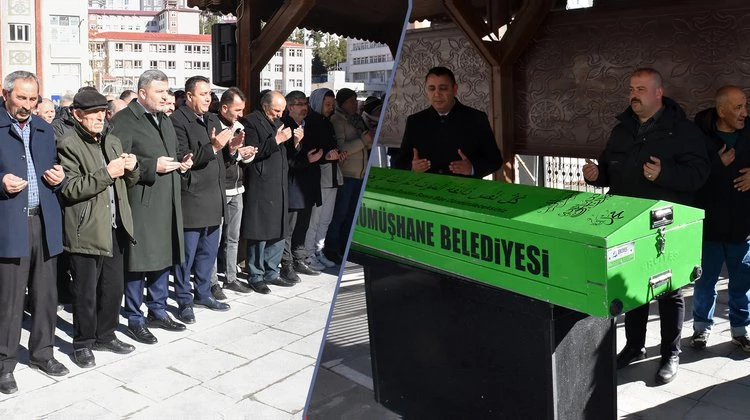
(597, 254)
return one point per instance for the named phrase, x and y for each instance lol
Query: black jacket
(264, 215)
(727, 210)
(438, 139)
(203, 198)
(304, 177)
(673, 139)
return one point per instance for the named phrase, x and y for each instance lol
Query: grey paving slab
(290, 393)
(194, 374)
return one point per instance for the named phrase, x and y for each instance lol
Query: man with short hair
(113, 107)
(128, 95)
(170, 103)
(31, 231)
(304, 187)
(98, 223)
(200, 135)
(654, 152)
(264, 222)
(46, 110)
(448, 137)
(156, 205)
(231, 109)
(726, 228)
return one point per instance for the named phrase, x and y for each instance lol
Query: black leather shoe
(260, 287)
(8, 383)
(217, 293)
(51, 367)
(302, 268)
(84, 358)
(211, 304)
(185, 314)
(333, 255)
(115, 346)
(288, 274)
(667, 369)
(238, 287)
(280, 281)
(629, 355)
(140, 334)
(166, 323)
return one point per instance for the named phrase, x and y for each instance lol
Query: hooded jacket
(673, 139)
(726, 208)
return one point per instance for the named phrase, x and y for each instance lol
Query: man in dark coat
(654, 152)
(199, 133)
(304, 187)
(264, 215)
(31, 229)
(98, 224)
(155, 202)
(448, 137)
(726, 229)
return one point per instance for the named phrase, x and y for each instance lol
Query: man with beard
(98, 224)
(264, 216)
(156, 204)
(654, 152)
(31, 231)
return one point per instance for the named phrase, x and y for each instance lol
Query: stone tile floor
(712, 384)
(255, 361)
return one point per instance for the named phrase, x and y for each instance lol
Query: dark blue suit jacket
(14, 226)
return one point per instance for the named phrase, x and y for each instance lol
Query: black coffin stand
(445, 347)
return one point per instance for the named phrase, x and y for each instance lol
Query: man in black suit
(304, 187)
(264, 215)
(199, 133)
(448, 137)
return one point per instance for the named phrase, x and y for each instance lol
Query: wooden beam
(248, 28)
(277, 30)
(474, 27)
(523, 27)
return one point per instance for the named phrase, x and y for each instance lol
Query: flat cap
(88, 99)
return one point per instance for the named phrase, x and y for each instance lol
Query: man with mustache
(654, 152)
(98, 225)
(31, 229)
(726, 229)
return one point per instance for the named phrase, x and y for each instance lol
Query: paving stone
(282, 311)
(307, 346)
(248, 409)
(266, 341)
(290, 394)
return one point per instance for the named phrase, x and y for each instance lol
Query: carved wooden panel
(421, 50)
(573, 79)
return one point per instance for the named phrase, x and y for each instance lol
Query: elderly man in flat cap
(97, 225)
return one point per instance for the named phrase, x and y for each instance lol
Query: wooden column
(256, 47)
(500, 57)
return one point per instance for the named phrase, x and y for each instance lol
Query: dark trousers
(38, 273)
(294, 243)
(156, 284)
(671, 316)
(201, 248)
(343, 214)
(263, 258)
(98, 284)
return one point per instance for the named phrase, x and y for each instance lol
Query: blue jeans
(737, 258)
(156, 284)
(201, 247)
(263, 259)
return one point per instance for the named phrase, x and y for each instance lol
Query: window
(171, 65)
(291, 68)
(299, 53)
(118, 64)
(299, 68)
(188, 65)
(291, 83)
(298, 83)
(162, 65)
(128, 47)
(205, 49)
(266, 83)
(206, 65)
(171, 48)
(152, 48)
(152, 64)
(278, 67)
(118, 46)
(137, 64)
(137, 47)
(278, 53)
(188, 48)
(128, 64)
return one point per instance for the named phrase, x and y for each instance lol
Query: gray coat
(155, 200)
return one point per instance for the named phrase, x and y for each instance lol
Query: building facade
(119, 58)
(370, 63)
(46, 38)
(106, 20)
(289, 69)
